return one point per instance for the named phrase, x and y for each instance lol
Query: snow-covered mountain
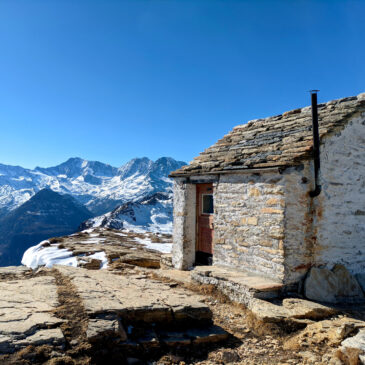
(152, 213)
(100, 187)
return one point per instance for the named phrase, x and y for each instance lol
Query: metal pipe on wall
(316, 152)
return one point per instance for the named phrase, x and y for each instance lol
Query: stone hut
(246, 202)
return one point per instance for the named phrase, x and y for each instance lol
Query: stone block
(207, 335)
(279, 260)
(274, 201)
(266, 243)
(274, 190)
(270, 251)
(252, 221)
(271, 211)
(334, 286)
(254, 192)
(277, 233)
(242, 249)
(98, 329)
(218, 241)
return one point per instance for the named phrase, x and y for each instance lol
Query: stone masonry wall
(249, 223)
(340, 208)
(183, 251)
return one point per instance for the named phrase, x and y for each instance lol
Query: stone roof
(279, 141)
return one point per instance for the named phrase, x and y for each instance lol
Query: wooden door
(205, 210)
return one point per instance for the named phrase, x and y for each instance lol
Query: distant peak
(140, 159)
(46, 191)
(74, 159)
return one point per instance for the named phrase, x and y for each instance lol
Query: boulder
(361, 280)
(333, 286)
(348, 288)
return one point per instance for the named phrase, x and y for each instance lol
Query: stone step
(151, 339)
(239, 286)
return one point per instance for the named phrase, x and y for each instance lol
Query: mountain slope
(152, 213)
(45, 215)
(98, 186)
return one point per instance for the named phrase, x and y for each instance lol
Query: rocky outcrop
(333, 286)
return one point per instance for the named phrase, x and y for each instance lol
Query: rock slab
(26, 316)
(136, 298)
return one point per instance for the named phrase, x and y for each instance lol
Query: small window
(207, 204)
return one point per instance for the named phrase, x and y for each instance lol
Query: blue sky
(112, 80)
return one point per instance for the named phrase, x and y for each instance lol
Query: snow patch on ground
(161, 247)
(48, 255)
(102, 257)
(40, 255)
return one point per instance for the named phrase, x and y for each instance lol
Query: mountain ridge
(99, 186)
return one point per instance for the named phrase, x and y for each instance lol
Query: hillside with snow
(44, 215)
(98, 186)
(152, 213)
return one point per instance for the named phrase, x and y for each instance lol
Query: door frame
(200, 256)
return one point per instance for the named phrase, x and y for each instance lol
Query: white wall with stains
(339, 224)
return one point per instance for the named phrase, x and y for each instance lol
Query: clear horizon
(113, 80)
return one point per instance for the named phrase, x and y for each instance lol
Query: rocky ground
(90, 248)
(134, 313)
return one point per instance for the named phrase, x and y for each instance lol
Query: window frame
(202, 202)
